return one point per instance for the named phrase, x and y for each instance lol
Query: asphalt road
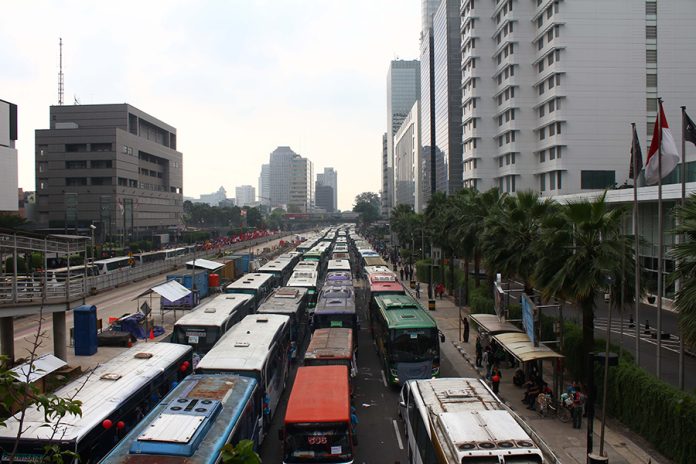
(375, 402)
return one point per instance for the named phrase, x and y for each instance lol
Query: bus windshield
(413, 345)
(317, 443)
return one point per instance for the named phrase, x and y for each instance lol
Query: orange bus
(317, 425)
(331, 346)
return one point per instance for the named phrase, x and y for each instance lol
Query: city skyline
(231, 105)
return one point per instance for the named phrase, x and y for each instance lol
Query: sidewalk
(567, 443)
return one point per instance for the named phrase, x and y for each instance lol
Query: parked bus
(317, 425)
(339, 279)
(60, 274)
(279, 269)
(460, 421)
(260, 285)
(205, 325)
(338, 265)
(291, 302)
(257, 347)
(336, 308)
(406, 337)
(109, 265)
(200, 416)
(308, 280)
(120, 390)
(340, 255)
(332, 346)
(307, 266)
(181, 251)
(150, 257)
(374, 261)
(381, 285)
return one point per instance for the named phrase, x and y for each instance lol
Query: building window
(75, 147)
(651, 56)
(101, 147)
(542, 133)
(650, 8)
(500, 162)
(76, 165)
(542, 156)
(101, 164)
(552, 153)
(542, 182)
(597, 179)
(541, 111)
(552, 106)
(651, 32)
(552, 181)
(651, 80)
(100, 180)
(75, 181)
(559, 177)
(552, 130)
(651, 104)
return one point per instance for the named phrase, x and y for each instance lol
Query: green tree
(367, 204)
(511, 235)
(11, 221)
(241, 453)
(581, 246)
(685, 255)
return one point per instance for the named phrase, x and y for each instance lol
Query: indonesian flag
(663, 141)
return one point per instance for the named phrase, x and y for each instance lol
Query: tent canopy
(205, 264)
(521, 347)
(171, 290)
(491, 324)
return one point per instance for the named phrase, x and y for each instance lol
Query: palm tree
(581, 246)
(438, 221)
(685, 254)
(511, 235)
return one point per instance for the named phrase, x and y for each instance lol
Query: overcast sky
(236, 78)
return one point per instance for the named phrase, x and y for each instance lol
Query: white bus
(109, 265)
(307, 266)
(338, 265)
(257, 284)
(291, 302)
(280, 269)
(257, 347)
(461, 421)
(123, 390)
(308, 280)
(205, 325)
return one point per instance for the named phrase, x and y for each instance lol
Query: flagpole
(637, 243)
(660, 244)
(682, 239)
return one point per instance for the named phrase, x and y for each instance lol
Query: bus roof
(285, 300)
(101, 392)
(277, 265)
(111, 260)
(378, 269)
(160, 432)
(319, 394)
(303, 279)
(405, 313)
(306, 266)
(250, 281)
(381, 277)
(391, 287)
(336, 300)
(456, 395)
(374, 261)
(214, 312)
(245, 346)
(338, 275)
(332, 343)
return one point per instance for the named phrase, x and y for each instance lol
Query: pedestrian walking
(479, 352)
(578, 405)
(495, 380)
(440, 290)
(401, 273)
(466, 330)
(418, 290)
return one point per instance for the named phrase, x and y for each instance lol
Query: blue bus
(200, 416)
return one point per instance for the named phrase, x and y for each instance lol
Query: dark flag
(638, 154)
(689, 129)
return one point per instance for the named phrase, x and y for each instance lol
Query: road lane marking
(398, 434)
(384, 378)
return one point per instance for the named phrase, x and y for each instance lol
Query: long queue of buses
(221, 376)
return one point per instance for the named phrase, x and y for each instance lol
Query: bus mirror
(402, 404)
(442, 337)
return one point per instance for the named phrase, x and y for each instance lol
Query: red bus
(380, 285)
(317, 425)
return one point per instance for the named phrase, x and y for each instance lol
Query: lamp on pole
(92, 228)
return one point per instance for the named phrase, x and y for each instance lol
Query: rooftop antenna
(60, 72)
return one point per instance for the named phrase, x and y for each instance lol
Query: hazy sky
(236, 78)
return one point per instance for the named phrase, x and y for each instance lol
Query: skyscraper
(291, 181)
(407, 162)
(561, 125)
(403, 89)
(280, 168)
(330, 178)
(8, 157)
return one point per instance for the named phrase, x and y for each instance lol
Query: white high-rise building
(280, 166)
(403, 89)
(8, 157)
(245, 195)
(562, 125)
(408, 162)
(265, 184)
(329, 178)
(301, 185)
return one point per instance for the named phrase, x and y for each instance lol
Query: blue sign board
(528, 317)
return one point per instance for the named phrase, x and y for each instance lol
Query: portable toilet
(85, 333)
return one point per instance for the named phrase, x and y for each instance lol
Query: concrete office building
(280, 165)
(265, 184)
(8, 158)
(301, 185)
(111, 165)
(407, 162)
(562, 125)
(403, 89)
(213, 199)
(330, 178)
(245, 195)
(383, 194)
(324, 197)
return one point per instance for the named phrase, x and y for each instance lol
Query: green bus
(407, 338)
